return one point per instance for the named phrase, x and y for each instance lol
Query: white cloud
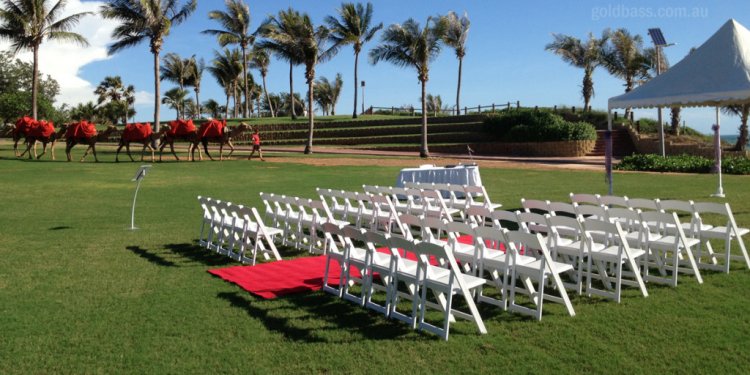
(63, 61)
(144, 98)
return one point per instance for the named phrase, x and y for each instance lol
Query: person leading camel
(256, 146)
(215, 131)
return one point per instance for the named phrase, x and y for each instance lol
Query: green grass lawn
(81, 294)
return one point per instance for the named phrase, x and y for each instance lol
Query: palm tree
(336, 87)
(236, 24)
(353, 28)
(249, 90)
(282, 38)
(85, 111)
(27, 23)
(146, 20)
(111, 89)
(743, 111)
(196, 68)
(585, 55)
(175, 69)
(322, 95)
(455, 37)
(434, 104)
(212, 108)
(260, 60)
(625, 58)
(175, 98)
(408, 44)
(227, 69)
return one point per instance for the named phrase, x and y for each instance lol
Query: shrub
(536, 126)
(682, 163)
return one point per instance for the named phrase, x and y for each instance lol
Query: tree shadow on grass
(199, 254)
(151, 257)
(337, 315)
(61, 227)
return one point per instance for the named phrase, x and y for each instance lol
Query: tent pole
(717, 146)
(661, 133)
(608, 150)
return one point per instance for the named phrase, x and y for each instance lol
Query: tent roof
(717, 73)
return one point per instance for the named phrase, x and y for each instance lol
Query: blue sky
(505, 60)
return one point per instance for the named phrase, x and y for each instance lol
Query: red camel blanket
(136, 132)
(42, 129)
(83, 129)
(24, 125)
(211, 129)
(181, 127)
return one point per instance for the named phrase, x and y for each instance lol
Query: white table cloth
(459, 175)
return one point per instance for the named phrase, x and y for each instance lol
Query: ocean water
(731, 139)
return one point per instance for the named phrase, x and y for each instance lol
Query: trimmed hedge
(536, 126)
(682, 163)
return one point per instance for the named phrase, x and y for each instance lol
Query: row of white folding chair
(231, 229)
(344, 205)
(466, 194)
(668, 249)
(696, 228)
(394, 269)
(453, 196)
(489, 244)
(417, 201)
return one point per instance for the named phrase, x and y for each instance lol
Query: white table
(459, 175)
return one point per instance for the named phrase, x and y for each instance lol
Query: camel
(32, 140)
(90, 141)
(225, 139)
(145, 141)
(166, 139)
(17, 134)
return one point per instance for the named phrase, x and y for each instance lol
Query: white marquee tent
(714, 75)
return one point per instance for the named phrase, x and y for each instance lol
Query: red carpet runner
(274, 279)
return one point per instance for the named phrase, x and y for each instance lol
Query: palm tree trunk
(291, 92)
(587, 89)
(742, 139)
(244, 73)
(34, 83)
(226, 108)
(197, 101)
(236, 108)
(310, 121)
(157, 102)
(458, 90)
(423, 151)
(268, 98)
(356, 61)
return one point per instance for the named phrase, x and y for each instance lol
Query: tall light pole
(363, 97)
(658, 38)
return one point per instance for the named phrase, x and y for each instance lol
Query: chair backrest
(661, 222)
(586, 210)
(539, 206)
(533, 222)
(506, 219)
(473, 192)
(644, 204)
(572, 226)
(585, 199)
(334, 233)
(456, 229)
(426, 251)
(479, 215)
(354, 234)
(434, 205)
(491, 238)
(613, 200)
(630, 220)
(557, 208)
(433, 228)
(204, 202)
(713, 208)
(609, 233)
(532, 244)
(411, 226)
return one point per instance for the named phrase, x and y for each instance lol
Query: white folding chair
(666, 251)
(445, 287)
(273, 210)
(532, 222)
(256, 235)
(466, 253)
(540, 271)
(383, 264)
(570, 244)
(561, 208)
(612, 254)
(478, 216)
(434, 205)
(400, 199)
(644, 204)
(385, 215)
(684, 208)
(472, 192)
(502, 219)
(336, 250)
(494, 265)
(728, 232)
(359, 257)
(405, 271)
(205, 202)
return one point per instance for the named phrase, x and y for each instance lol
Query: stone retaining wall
(648, 145)
(545, 149)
